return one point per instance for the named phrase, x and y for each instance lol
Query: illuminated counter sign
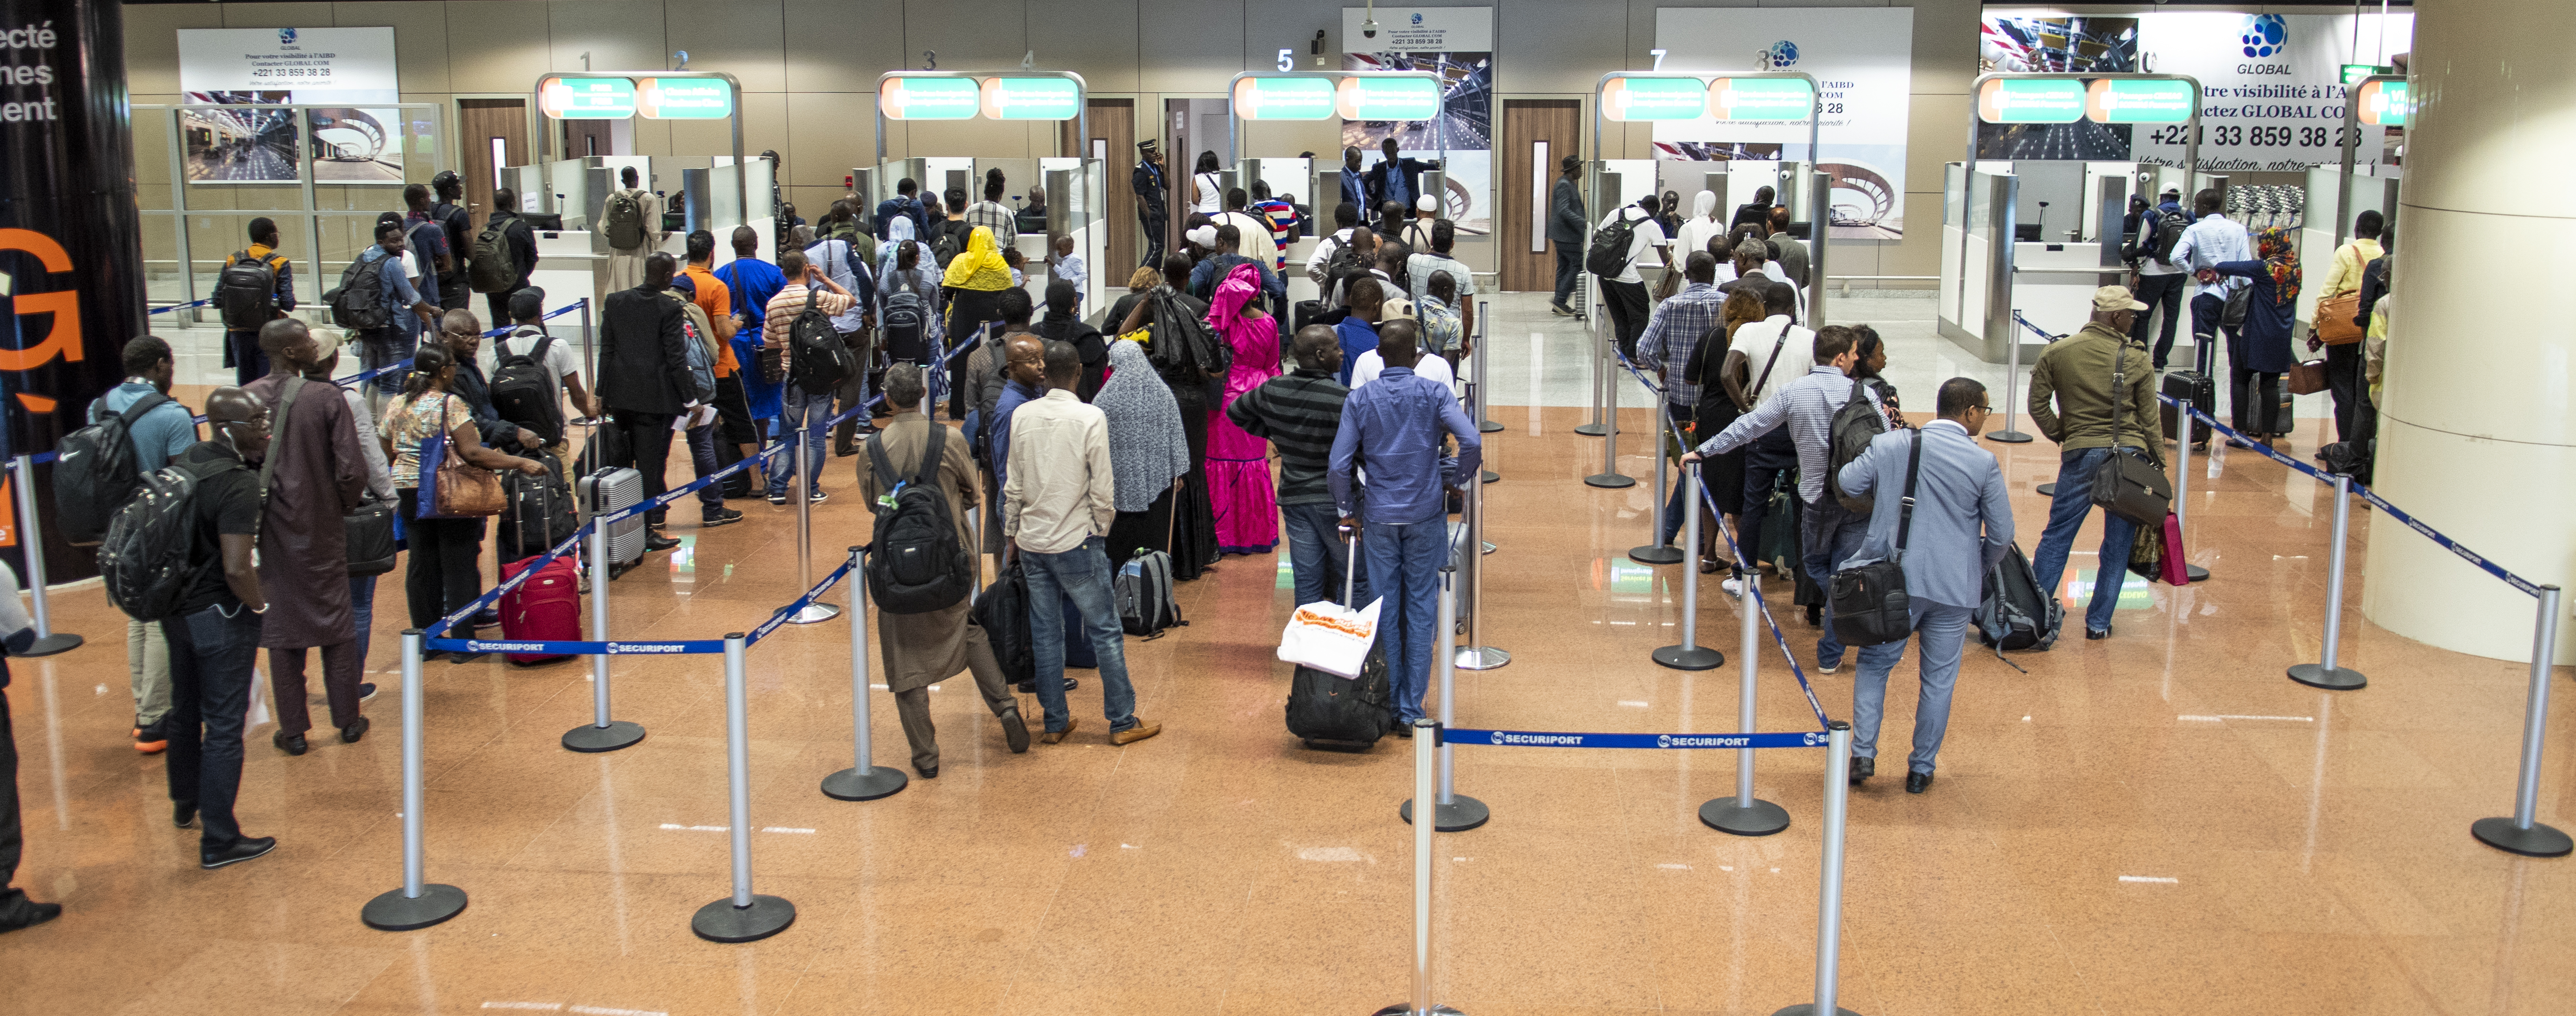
(1761, 98)
(589, 98)
(2382, 103)
(1266, 98)
(1375, 98)
(686, 99)
(2031, 100)
(1031, 99)
(929, 98)
(2129, 100)
(1656, 99)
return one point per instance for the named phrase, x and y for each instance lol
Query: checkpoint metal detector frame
(741, 181)
(1081, 97)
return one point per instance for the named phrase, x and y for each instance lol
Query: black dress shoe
(931, 773)
(1015, 732)
(2096, 636)
(1863, 768)
(237, 853)
(351, 733)
(1915, 782)
(1404, 730)
(658, 542)
(292, 744)
(183, 814)
(465, 657)
(719, 517)
(17, 911)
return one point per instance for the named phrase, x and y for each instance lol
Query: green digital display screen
(1281, 98)
(912, 98)
(1761, 98)
(686, 99)
(2130, 100)
(1368, 97)
(588, 98)
(1031, 98)
(2031, 100)
(1625, 99)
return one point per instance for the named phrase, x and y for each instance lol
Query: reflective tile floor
(2157, 823)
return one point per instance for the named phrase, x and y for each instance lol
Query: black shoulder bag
(1870, 607)
(2128, 485)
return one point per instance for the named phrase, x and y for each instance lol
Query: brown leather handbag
(452, 487)
(2307, 377)
(2335, 320)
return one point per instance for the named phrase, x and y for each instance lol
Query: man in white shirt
(2213, 239)
(1370, 364)
(1766, 356)
(1057, 504)
(1255, 241)
(1625, 293)
(798, 408)
(561, 361)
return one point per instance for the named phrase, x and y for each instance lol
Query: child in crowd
(1064, 264)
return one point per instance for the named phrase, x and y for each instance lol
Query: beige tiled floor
(2156, 823)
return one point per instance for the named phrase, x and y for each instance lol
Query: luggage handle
(1350, 567)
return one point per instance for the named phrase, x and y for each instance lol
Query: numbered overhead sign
(1370, 97)
(685, 99)
(925, 98)
(1761, 98)
(2030, 100)
(1643, 98)
(1042, 98)
(2381, 103)
(588, 98)
(1283, 98)
(2131, 100)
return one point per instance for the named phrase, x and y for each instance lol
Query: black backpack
(95, 471)
(1143, 589)
(1854, 426)
(916, 562)
(358, 302)
(903, 314)
(951, 242)
(1182, 339)
(1003, 613)
(522, 392)
(819, 359)
(492, 268)
(1609, 253)
(2014, 613)
(246, 291)
(2169, 230)
(144, 559)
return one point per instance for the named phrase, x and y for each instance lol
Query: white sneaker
(1734, 587)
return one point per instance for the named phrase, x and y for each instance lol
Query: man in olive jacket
(2093, 393)
(642, 366)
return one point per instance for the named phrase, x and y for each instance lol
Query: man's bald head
(287, 341)
(1318, 348)
(241, 419)
(1398, 342)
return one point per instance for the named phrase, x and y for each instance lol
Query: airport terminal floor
(2159, 822)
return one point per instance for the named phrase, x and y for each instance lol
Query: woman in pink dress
(1238, 464)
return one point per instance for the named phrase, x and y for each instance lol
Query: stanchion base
(1592, 429)
(1809, 1008)
(591, 738)
(2316, 675)
(721, 921)
(58, 642)
(2047, 490)
(1480, 658)
(2009, 437)
(815, 613)
(393, 911)
(1690, 657)
(1762, 819)
(1490, 548)
(1406, 1009)
(2537, 841)
(1651, 554)
(1610, 481)
(1488, 427)
(852, 785)
(1492, 476)
(2195, 573)
(1459, 815)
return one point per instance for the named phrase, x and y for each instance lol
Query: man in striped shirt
(1672, 334)
(1299, 413)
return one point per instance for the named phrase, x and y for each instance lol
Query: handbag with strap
(2306, 377)
(2127, 485)
(450, 487)
(2338, 320)
(368, 531)
(1870, 606)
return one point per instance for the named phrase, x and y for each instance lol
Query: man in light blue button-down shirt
(2212, 240)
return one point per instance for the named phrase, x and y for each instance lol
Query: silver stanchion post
(1425, 733)
(1484, 420)
(1745, 814)
(32, 537)
(2182, 487)
(415, 905)
(2523, 834)
(1600, 374)
(1690, 655)
(2012, 393)
(1456, 812)
(801, 476)
(741, 917)
(1829, 889)
(1610, 478)
(864, 780)
(601, 733)
(1476, 655)
(2326, 674)
(1662, 550)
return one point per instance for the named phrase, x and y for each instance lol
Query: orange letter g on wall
(64, 338)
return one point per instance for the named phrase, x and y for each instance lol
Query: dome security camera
(1368, 28)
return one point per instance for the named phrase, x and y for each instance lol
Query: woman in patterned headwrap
(2260, 353)
(973, 285)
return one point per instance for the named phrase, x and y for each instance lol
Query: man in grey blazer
(1961, 528)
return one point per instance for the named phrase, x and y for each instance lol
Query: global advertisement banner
(2271, 85)
(1457, 44)
(352, 143)
(1863, 62)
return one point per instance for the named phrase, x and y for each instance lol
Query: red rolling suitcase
(545, 608)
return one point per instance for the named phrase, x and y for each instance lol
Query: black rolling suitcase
(537, 511)
(1327, 710)
(2195, 388)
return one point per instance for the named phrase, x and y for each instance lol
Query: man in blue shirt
(1359, 332)
(1392, 427)
(903, 203)
(746, 400)
(846, 267)
(2212, 240)
(162, 432)
(407, 315)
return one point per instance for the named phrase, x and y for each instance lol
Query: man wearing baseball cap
(2094, 393)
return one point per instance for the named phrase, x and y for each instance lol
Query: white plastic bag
(1330, 637)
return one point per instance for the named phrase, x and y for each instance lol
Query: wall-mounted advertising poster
(1457, 44)
(1863, 62)
(346, 71)
(2272, 93)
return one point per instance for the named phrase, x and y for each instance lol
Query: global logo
(286, 37)
(1779, 54)
(2266, 35)
(1417, 17)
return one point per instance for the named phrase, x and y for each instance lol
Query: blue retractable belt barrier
(177, 306)
(791, 609)
(1551, 739)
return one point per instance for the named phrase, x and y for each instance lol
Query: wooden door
(489, 129)
(1536, 133)
(1113, 133)
(584, 138)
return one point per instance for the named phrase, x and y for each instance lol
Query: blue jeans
(1080, 575)
(1317, 556)
(2066, 514)
(211, 656)
(805, 412)
(362, 602)
(1404, 568)
(1828, 537)
(1682, 417)
(702, 457)
(1943, 631)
